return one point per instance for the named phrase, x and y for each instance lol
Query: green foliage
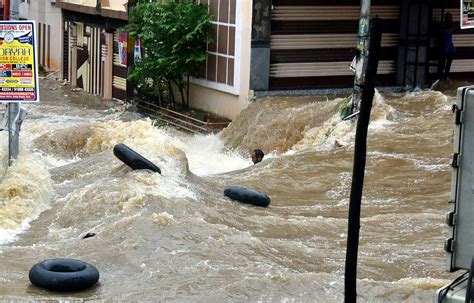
(174, 36)
(345, 107)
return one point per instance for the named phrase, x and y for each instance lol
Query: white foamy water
(207, 155)
(323, 137)
(23, 195)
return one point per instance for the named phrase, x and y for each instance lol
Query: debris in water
(434, 85)
(340, 143)
(162, 218)
(88, 235)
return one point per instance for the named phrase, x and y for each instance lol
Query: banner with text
(18, 63)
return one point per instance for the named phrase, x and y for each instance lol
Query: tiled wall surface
(221, 60)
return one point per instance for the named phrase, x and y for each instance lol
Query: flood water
(174, 237)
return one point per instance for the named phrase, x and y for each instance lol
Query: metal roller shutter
(313, 42)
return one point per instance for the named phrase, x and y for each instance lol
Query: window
(221, 68)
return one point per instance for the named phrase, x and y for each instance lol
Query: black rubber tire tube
(133, 159)
(247, 196)
(63, 275)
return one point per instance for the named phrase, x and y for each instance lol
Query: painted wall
(221, 99)
(48, 16)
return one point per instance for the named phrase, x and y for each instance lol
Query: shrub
(174, 37)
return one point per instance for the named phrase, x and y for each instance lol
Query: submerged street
(175, 237)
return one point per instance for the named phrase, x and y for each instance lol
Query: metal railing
(179, 120)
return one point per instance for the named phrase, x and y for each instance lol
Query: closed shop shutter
(313, 42)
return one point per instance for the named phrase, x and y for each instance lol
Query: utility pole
(13, 109)
(367, 53)
(14, 122)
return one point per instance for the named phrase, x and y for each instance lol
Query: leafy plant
(345, 107)
(174, 36)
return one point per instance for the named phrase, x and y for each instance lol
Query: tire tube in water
(133, 159)
(247, 196)
(63, 275)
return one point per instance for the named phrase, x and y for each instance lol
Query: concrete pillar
(108, 57)
(260, 44)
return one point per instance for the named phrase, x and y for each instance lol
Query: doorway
(414, 43)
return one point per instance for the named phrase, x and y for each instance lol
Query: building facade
(94, 52)
(257, 45)
(223, 85)
(48, 22)
(263, 45)
(310, 44)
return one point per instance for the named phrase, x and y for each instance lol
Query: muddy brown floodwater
(175, 238)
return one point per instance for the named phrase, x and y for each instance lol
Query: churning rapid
(175, 237)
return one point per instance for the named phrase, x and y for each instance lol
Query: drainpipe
(366, 68)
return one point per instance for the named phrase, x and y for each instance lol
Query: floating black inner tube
(133, 159)
(63, 275)
(247, 196)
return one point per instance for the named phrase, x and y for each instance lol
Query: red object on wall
(6, 10)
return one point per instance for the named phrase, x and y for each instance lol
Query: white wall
(221, 101)
(46, 12)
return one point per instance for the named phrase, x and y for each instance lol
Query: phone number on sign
(17, 95)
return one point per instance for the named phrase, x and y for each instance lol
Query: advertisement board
(122, 48)
(467, 14)
(18, 63)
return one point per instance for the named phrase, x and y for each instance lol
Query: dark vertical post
(407, 45)
(402, 53)
(366, 69)
(362, 48)
(417, 46)
(361, 52)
